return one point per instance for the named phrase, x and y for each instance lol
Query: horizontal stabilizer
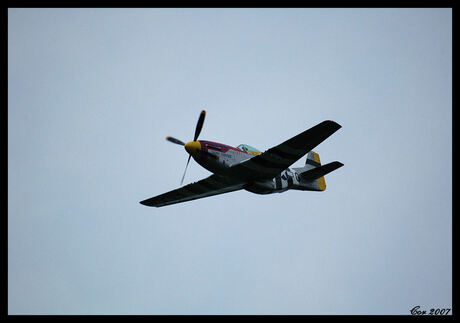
(318, 172)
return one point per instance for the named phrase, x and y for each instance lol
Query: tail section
(318, 172)
(311, 163)
(313, 172)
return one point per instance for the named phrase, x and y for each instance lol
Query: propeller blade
(199, 125)
(175, 141)
(183, 176)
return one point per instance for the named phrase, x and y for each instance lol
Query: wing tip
(146, 203)
(333, 122)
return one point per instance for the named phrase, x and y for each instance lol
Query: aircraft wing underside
(212, 185)
(274, 160)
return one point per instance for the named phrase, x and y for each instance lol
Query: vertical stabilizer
(313, 161)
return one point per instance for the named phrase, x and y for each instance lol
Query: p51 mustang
(245, 167)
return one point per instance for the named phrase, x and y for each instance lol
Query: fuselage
(217, 158)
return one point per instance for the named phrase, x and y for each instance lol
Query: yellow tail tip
(316, 158)
(321, 183)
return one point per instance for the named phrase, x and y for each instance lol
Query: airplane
(245, 167)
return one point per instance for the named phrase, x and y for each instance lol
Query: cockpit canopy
(248, 149)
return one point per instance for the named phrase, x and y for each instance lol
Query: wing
(274, 160)
(209, 186)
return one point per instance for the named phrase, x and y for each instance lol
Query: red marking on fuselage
(205, 144)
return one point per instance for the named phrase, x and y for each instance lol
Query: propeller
(183, 176)
(175, 141)
(199, 126)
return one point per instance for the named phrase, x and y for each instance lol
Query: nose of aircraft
(192, 147)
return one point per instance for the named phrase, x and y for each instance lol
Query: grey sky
(92, 93)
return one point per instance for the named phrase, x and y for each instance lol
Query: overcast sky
(92, 94)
